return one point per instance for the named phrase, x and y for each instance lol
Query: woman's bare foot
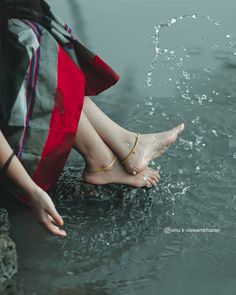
(118, 175)
(150, 147)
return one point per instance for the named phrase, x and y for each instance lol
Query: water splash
(157, 37)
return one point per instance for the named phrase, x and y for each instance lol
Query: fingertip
(61, 221)
(60, 232)
(56, 216)
(63, 233)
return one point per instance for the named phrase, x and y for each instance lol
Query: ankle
(94, 162)
(128, 142)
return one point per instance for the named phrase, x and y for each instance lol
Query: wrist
(32, 191)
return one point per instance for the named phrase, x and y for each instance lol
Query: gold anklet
(133, 149)
(105, 168)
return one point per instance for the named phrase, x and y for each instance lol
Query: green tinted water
(177, 62)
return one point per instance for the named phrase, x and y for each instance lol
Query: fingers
(48, 222)
(54, 214)
(47, 214)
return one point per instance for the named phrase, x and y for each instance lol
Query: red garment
(68, 104)
(50, 80)
(64, 122)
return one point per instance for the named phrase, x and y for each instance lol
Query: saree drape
(49, 73)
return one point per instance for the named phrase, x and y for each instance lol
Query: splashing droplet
(173, 20)
(214, 132)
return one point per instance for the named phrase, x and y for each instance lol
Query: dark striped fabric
(61, 70)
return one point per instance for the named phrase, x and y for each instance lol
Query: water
(177, 64)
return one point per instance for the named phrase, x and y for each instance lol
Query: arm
(41, 203)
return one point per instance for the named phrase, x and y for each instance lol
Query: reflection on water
(120, 239)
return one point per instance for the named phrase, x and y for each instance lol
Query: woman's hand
(46, 212)
(40, 200)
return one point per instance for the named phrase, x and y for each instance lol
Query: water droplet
(186, 75)
(207, 70)
(70, 273)
(214, 132)
(185, 96)
(228, 36)
(173, 20)
(197, 169)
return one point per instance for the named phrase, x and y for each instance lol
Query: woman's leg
(121, 141)
(98, 155)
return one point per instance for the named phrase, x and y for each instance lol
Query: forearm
(16, 172)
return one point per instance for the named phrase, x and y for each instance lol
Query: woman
(46, 78)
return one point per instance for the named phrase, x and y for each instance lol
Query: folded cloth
(48, 73)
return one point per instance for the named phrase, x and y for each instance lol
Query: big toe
(180, 128)
(177, 130)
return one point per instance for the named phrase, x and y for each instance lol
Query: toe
(156, 178)
(154, 174)
(180, 128)
(153, 182)
(149, 183)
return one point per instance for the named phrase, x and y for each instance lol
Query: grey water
(177, 61)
